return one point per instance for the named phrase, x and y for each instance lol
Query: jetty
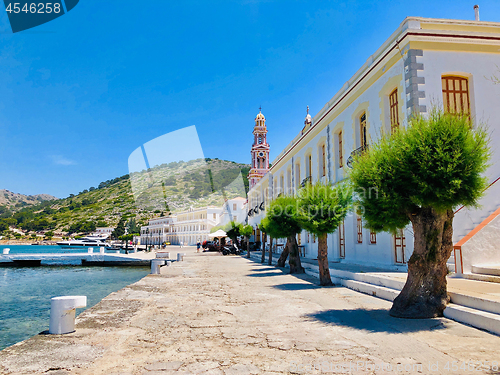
(83, 259)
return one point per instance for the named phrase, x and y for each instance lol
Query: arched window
(456, 94)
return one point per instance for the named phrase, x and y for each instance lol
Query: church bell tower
(260, 151)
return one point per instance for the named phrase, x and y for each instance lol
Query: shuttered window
(360, 229)
(393, 105)
(456, 94)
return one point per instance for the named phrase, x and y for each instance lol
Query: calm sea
(25, 293)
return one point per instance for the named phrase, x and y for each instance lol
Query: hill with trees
(134, 199)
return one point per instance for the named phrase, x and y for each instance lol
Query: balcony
(305, 181)
(356, 152)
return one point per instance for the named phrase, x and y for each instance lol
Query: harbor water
(25, 293)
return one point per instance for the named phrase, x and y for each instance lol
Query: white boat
(89, 241)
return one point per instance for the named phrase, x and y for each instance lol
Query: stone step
(373, 290)
(474, 302)
(476, 318)
(479, 277)
(487, 270)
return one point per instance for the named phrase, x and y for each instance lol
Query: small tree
(246, 231)
(282, 221)
(119, 230)
(234, 231)
(262, 227)
(126, 238)
(419, 175)
(322, 207)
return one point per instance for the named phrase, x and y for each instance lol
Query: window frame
(359, 227)
(448, 93)
(394, 110)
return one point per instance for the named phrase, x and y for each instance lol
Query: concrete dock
(213, 314)
(84, 259)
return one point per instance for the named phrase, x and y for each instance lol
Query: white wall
(483, 248)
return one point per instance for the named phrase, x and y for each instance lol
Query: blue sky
(79, 94)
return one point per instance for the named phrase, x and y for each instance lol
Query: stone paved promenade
(227, 315)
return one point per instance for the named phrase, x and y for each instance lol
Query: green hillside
(139, 197)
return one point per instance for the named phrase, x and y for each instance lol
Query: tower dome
(260, 116)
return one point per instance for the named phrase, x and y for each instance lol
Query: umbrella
(219, 234)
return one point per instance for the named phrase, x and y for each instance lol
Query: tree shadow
(297, 286)
(377, 320)
(266, 274)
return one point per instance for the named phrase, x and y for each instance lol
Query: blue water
(25, 293)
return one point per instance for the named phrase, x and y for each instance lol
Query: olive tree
(282, 221)
(246, 231)
(264, 224)
(322, 208)
(419, 175)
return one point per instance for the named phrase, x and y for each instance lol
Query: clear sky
(79, 94)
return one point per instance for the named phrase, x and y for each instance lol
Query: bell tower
(260, 150)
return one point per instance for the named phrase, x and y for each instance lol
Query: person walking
(198, 246)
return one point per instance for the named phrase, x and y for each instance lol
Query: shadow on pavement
(296, 286)
(277, 272)
(377, 320)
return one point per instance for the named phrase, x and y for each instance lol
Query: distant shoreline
(20, 242)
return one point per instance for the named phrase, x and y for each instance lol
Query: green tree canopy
(282, 220)
(324, 206)
(436, 162)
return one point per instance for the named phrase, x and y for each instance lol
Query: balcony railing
(356, 152)
(305, 181)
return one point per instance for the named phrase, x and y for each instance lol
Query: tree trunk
(424, 294)
(270, 252)
(283, 256)
(248, 247)
(263, 258)
(324, 267)
(294, 261)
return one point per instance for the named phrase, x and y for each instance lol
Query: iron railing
(355, 153)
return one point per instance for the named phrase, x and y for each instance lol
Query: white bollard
(62, 313)
(155, 266)
(180, 257)
(5, 251)
(91, 250)
(101, 250)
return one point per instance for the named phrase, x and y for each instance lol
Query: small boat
(89, 241)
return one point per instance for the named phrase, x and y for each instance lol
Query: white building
(158, 231)
(233, 210)
(424, 62)
(193, 225)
